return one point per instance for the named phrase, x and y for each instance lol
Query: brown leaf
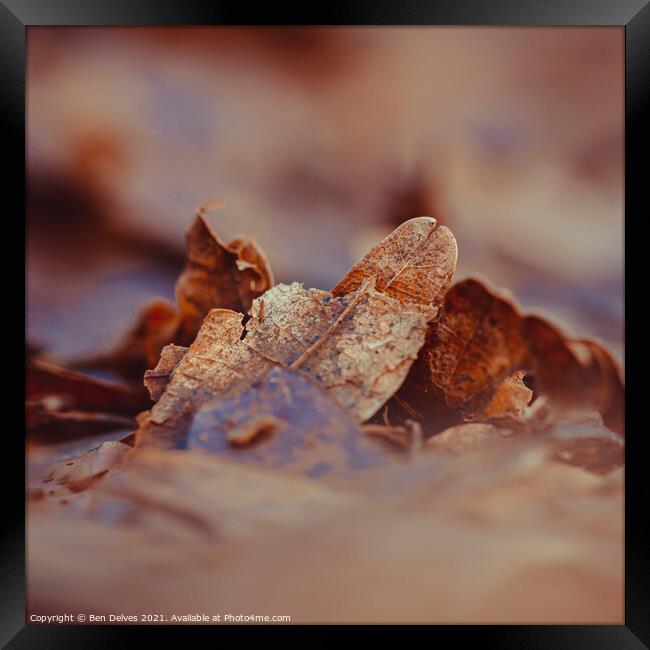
(82, 392)
(414, 264)
(480, 339)
(216, 275)
(285, 421)
(227, 276)
(156, 380)
(359, 347)
(46, 422)
(510, 399)
(78, 474)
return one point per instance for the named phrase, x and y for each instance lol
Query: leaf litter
(290, 407)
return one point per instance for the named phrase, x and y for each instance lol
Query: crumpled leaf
(156, 380)
(509, 400)
(285, 421)
(480, 339)
(216, 275)
(47, 420)
(228, 276)
(359, 347)
(82, 392)
(414, 264)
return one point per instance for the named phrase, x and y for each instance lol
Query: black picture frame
(632, 15)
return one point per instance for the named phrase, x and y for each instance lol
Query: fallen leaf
(359, 347)
(45, 423)
(414, 264)
(307, 432)
(83, 392)
(509, 400)
(480, 339)
(78, 474)
(156, 380)
(216, 275)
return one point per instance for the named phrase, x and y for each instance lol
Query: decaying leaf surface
(358, 347)
(78, 474)
(156, 379)
(83, 392)
(47, 422)
(510, 399)
(414, 264)
(227, 276)
(481, 339)
(274, 402)
(216, 275)
(285, 421)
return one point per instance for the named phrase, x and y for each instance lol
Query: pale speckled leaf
(359, 347)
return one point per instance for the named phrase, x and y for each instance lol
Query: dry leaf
(156, 380)
(47, 423)
(359, 347)
(414, 264)
(509, 400)
(307, 432)
(82, 392)
(78, 474)
(216, 275)
(228, 276)
(480, 339)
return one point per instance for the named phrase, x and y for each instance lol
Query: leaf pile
(397, 399)
(392, 343)
(475, 353)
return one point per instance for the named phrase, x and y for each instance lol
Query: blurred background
(320, 141)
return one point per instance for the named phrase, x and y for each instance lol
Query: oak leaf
(414, 264)
(285, 420)
(481, 339)
(358, 347)
(216, 275)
